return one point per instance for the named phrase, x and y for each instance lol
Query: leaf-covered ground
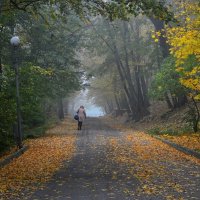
(191, 141)
(162, 170)
(108, 163)
(37, 165)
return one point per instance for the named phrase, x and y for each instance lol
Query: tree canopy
(55, 34)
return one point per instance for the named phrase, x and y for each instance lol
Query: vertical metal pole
(19, 128)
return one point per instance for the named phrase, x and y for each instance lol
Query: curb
(12, 156)
(178, 147)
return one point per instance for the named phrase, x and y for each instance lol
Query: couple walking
(81, 116)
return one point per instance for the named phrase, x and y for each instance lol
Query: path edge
(178, 147)
(12, 156)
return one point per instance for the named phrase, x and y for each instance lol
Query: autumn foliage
(37, 165)
(184, 41)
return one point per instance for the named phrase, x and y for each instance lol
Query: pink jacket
(81, 113)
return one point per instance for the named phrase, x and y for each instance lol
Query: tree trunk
(169, 104)
(196, 117)
(159, 25)
(140, 84)
(117, 102)
(175, 102)
(182, 100)
(144, 90)
(60, 109)
(124, 103)
(142, 108)
(1, 71)
(122, 73)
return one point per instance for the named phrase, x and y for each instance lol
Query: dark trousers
(79, 125)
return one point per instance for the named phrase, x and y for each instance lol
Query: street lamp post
(15, 42)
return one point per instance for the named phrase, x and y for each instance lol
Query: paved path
(90, 174)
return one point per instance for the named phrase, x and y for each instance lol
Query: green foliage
(151, 8)
(32, 90)
(169, 131)
(6, 140)
(154, 131)
(47, 63)
(185, 129)
(39, 131)
(166, 80)
(36, 84)
(7, 108)
(114, 9)
(160, 131)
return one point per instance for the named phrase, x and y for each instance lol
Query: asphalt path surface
(89, 174)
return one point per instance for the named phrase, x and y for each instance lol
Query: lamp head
(15, 41)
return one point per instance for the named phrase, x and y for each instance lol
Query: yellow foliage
(191, 79)
(46, 72)
(156, 35)
(185, 41)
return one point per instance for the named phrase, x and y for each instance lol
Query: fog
(81, 98)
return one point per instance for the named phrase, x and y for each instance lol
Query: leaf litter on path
(161, 169)
(37, 165)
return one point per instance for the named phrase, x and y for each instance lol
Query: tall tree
(121, 48)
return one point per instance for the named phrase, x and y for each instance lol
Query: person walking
(81, 116)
